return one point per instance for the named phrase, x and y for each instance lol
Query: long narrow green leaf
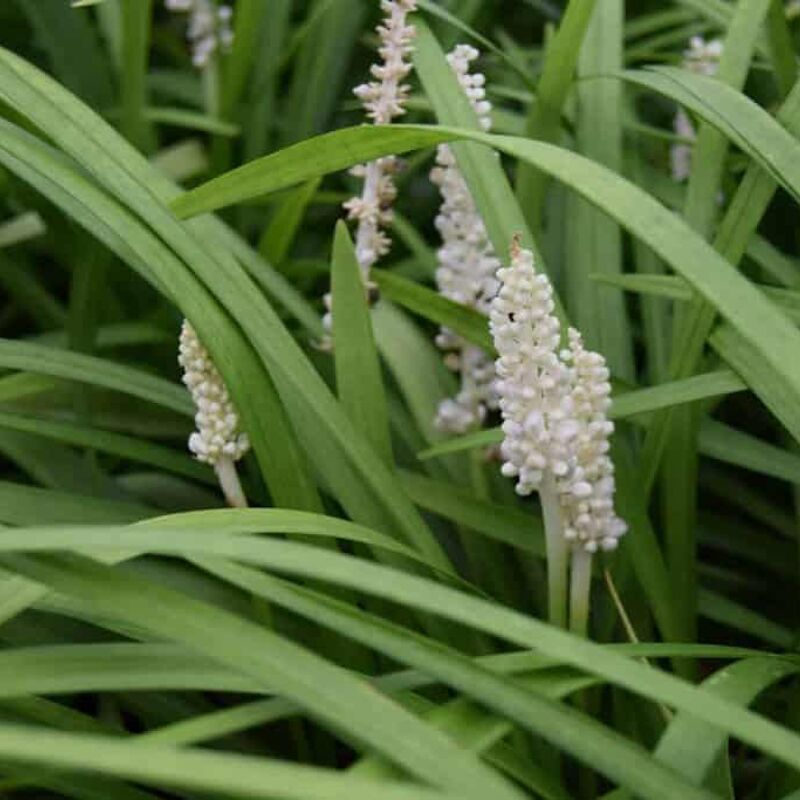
(359, 382)
(234, 775)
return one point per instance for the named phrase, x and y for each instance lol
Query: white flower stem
(229, 482)
(557, 553)
(580, 589)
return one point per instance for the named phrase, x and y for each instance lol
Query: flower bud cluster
(217, 435)
(701, 57)
(554, 406)
(209, 27)
(467, 265)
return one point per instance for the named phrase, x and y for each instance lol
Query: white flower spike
(209, 27)
(384, 100)
(554, 405)
(218, 439)
(466, 265)
(587, 492)
(701, 57)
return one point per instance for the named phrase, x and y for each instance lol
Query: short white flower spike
(218, 439)
(701, 57)
(209, 27)
(587, 492)
(217, 435)
(467, 265)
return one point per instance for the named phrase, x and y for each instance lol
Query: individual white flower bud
(209, 28)
(218, 435)
(467, 265)
(554, 405)
(701, 57)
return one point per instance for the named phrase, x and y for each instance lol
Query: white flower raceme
(218, 436)
(792, 9)
(703, 58)
(587, 491)
(384, 99)
(466, 265)
(209, 27)
(553, 404)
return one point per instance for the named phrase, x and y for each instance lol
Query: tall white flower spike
(466, 265)
(554, 404)
(701, 57)
(383, 99)
(218, 439)
(209, 27)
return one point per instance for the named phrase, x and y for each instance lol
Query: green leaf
(359, 383)
(21, 228)
(544, 116)
(520, 529)
(44, 360)
(593, 241)
(233, 775)
(465, 321)
(745, 123)
(27, 505)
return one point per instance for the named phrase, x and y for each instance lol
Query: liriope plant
(383, 616)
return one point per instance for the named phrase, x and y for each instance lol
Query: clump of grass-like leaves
(549, 245)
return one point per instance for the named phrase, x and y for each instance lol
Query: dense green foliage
(374, 626)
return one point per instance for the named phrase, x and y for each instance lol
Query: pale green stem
(580, 590)
(229, 482)
(557, 553)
